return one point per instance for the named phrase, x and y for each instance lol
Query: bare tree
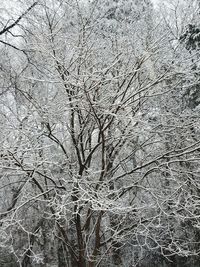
(99, 161)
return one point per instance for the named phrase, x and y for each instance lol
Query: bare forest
(100, 133)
